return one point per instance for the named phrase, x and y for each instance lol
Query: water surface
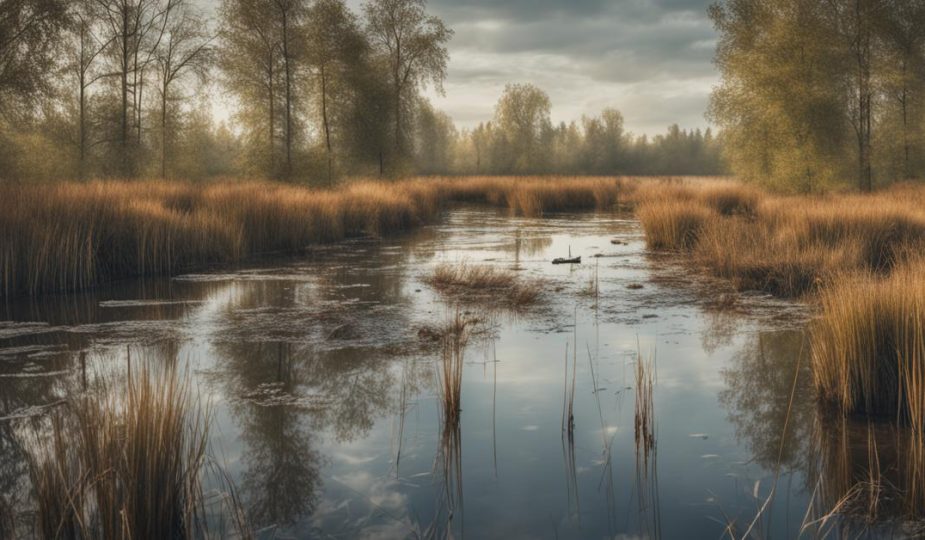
(321, 372)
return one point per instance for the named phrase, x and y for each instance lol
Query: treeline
(521, 139)
(129, 88)
(818, 93)
(126, 88)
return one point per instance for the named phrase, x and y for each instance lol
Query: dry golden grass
(124, 463)
(68, 236)
(869, 343)
(784, 245)
(484, 284)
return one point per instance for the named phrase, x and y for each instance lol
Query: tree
(436, 138)
(86, 48)
(29, 34)
(816, 92)
(414, 45)
(336, 50)
(134, 30)
(780, 101)
(904, 83)
(184, 52)
(522, 116)
(262, 58)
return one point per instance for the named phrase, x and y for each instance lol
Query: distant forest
(126, 88)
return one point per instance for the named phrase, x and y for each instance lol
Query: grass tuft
(484, 283)
(126, 463)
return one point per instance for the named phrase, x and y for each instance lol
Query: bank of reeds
(71, 236)
(784, 245)
(855, 255)
(123, 463)
(484, 284)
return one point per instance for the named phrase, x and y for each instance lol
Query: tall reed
(123, 463)
(869, 345)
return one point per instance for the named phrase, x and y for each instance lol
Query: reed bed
(484, 284)
(126, 463)
(71, 236)
(856, 256)
(784, 245)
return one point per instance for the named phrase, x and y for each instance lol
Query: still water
(321, 377)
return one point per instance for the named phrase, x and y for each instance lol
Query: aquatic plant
(484, 284)
(119, 463)
(868, 346)
(785, 245)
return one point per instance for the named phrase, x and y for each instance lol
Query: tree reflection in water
(860, 476)
(758, 386)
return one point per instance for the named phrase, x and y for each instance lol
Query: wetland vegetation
(255, 284)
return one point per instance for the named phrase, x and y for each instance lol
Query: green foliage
(815, 94)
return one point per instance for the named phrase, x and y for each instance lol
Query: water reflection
(757, 397)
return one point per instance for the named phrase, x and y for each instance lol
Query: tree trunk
(124, 80)
(164, 130)
(288, 68)
(865, 173)
(904, 102)
(272, 141)
(82, 118)
(327, 126)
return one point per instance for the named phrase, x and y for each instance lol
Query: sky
(651, 59)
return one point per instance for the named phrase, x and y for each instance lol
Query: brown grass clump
(536, 196)
(484, 284)
(672, 224)
(869, 344)
(124, 463)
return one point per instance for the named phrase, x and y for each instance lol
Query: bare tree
(185, 51)
(135, 29)
(88, 46)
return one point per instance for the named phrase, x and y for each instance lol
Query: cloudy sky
(649, 58)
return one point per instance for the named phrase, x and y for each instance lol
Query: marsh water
(320, 373)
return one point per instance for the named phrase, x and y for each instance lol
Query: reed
(124, 463)
(868, 346)
(454, 339)
(70, 236)
(644, 415)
